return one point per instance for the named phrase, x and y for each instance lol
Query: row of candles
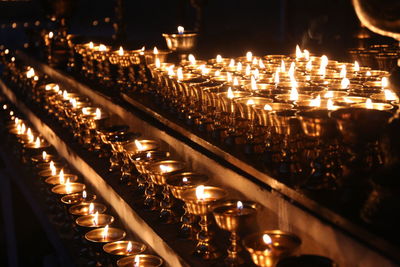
(166, 182)
(67, 193)
(275, 104)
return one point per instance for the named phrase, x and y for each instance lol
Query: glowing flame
(103, 48)
(368, 73)
(91, 45)
(217, 73)
(299, 54)
(148, 155)
(235, 81)
(37, 142)
(239, 66)
(384, 82)
(343, 71)
(276, 77)
(84, 194)
(179, 74)
(228, 77)
(230, 93)
(155, 51)
(248, 70)
(23, 128)
(283, 67)
(256, 73)
(68, 187)
(136, 261)
(185, 180)
(120, 51)
(356, 66)
(200, 194)
(61, 177)
(192, 59)
(95, 218)
(322, 67)
(329, 105)
(315, 102)
(254, 62)
(294, 94)
(267, 239)
(267, 107)
(261, 64)
(171, 71)
(30, 73)
(98, 114)
(389, 95)
(218, 59)
(239, 205)
(232, 63)
(166, 168)
(181, 29)
(157, 62)
(51, 35)
(91, 208)
(253, 83)
(291, 70)
(249, 56)
(368, 104)
(306, 54)
(344, 84)
(250, 102)
(104, 234)
(328, 94)
(129, 247)
(31, 138)
(139, 145)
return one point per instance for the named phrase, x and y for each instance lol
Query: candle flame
(248, 70)
(36, 78)
(250, 102)
(249, 56)
(103, 48)
(315, 102)
(139, 145)
(91, 208)
(179, 74)
(136, 261)
(306, 54)
(368, 73)
(217, 73)
(98, 114)
(51, 35)
(344, 84)
(239, 205)
(157, 62)
(276, 78)
(165, 168)
(235, 81)
(200, 194)
(185, 180)
(267, 239)
(389, 95)
(343, 71)
(95, 218)
(232, 63)
(239, 66)
(192, 59)
(384, 82)
(84, 194)
(68, 188)
(104, 235)
(228, 77)
(91, 45)
(294, 94)
(129, 247)
(283, 67)
(61, 176)
(253, 83)
(261, 64)
(299, 54)
(218, 59)
(181, 29)
(230, 93)
(171, 71)
(267, 107)
(155, 50)
(23, 128)
(356, 66)
(291, 70)
(148, 155)
(328, 94)
(329, 105)
(256, 73)
(30, 73)
(255, 61)
(121, 51)
(37, 142)
(368, 104)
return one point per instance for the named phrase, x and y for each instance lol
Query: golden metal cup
(140, 260)
(84, 208)
(68, 188)
(121, 248)
(97, 235)
(94, 220)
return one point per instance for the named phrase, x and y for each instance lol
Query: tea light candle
(76, 198)
(94, 220)
(140, 260)
(86, 208)
(237, 209)
(105, 234)
(124, 248)
(68, 188)
(61, 178)
(43, 157)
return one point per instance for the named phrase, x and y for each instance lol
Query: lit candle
(181, 30)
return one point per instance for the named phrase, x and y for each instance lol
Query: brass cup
(374, 105)
(205, 247)
(178, 183)
(39, 158)
(233, 219)
(55, 179)
(76, 198)
(71, 188)
(181, 42)
(88, 220)
(83, 208)
(158, 176)
(317, 124)
(267, 255)
(141, 260)
(287, 98)
(381, 97)
(120, 248)
(96, 235)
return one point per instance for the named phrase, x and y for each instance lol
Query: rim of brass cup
(317, 123)
(181, 42)
(348, 100)
(114, 234)
(83, 208)
(55, 179)
(61, 189)
(374, 105)
(46, 165)
(132, 148)
(43, 144)
(158, 176)
(119, 248)
(88, 220)
(286, 98)
(39, 158)
(306, 260)
(144, 260)
(268, 255)
(76, 198)
(145, 158)
(381, 97)
(178, 186)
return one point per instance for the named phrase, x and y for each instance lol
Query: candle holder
(76, 198)
(141, 260)
(61, 179)
(199, 201)
(94, 220)
(268, 247)
(105, 235)
(234, 216)
(182, 43)
(68, 188)
(86, 208)
(117, 142)
(178, 183)
(124, 248)
(158, 173)
(105, 133)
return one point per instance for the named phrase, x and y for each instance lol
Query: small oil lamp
(198, 201)
(68, 188)
(234, 216)
(268, 247)
(372, 105)
(140, 260)
(181, 41)
(387, 96)
(105, 235)
(94, 220)
(43, 157)
(178, 183)
(124, 248)
(76, 198)
(61, 178)
(85, 208)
